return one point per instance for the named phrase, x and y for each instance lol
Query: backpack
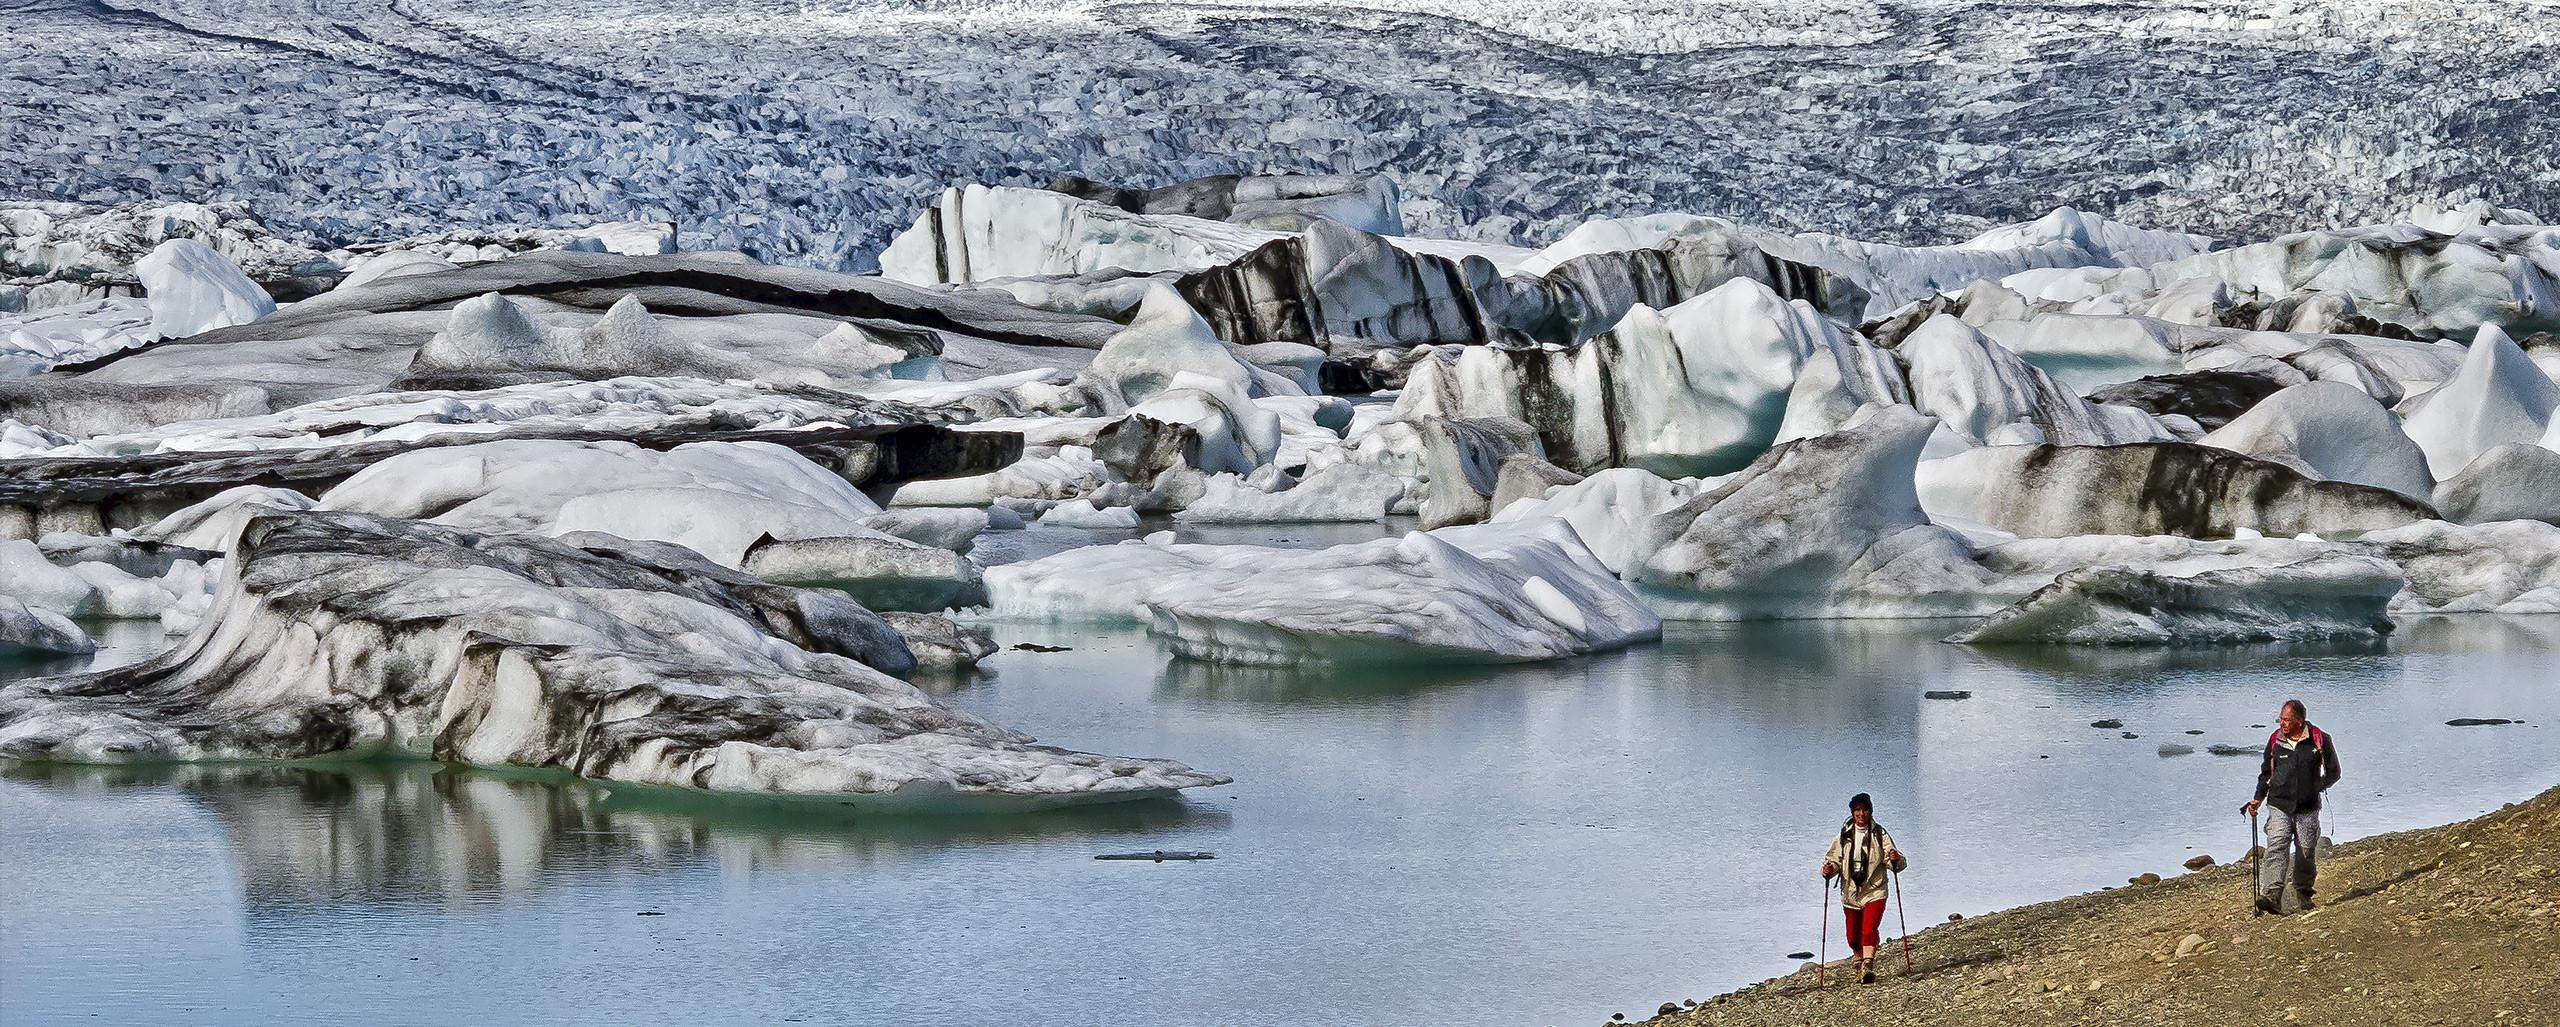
(2317, 738)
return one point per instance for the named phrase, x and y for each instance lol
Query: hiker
(2301, 761)
(1860, 857)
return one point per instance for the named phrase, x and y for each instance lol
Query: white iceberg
(2498, 397)
(717, 498)
(1486, 593)
(2332, 431)
(194, 289)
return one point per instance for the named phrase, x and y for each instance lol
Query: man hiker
(1860, 857)
(2301, 761)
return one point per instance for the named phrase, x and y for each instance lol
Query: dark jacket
(2291, 777)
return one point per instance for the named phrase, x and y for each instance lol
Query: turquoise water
(1523, 846)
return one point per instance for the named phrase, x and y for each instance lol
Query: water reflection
(1223, 683)
(2067, 663)
(305, 837)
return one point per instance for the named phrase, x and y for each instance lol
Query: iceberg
(2331, 431)
(2154, 488)
(717, 498)
(1828, 526)
(345, 634)
(2328, 596)
(194, 289)
(2498, 396)
(1505, 593)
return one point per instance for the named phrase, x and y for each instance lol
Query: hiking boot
(2268, 904)
(2302, 899)
(1866, 972)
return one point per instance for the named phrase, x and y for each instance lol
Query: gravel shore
(2457, 924)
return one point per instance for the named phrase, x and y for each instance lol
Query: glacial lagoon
(1546, 844)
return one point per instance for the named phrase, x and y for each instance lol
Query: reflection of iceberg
(2115, 666)
(308, 836)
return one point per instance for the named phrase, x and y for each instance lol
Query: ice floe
(341, 633)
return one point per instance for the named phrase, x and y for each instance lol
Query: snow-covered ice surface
(339, 120)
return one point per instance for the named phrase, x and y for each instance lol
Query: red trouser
(1866, 924)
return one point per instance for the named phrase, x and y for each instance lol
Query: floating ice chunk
(1823, 527)
(2155, 488)
(941, 528)
(2500, 567)
(879, 572)
(2332, 595)
(1081, 513)
(194, 289)
(1339, 493)
(26, 630)
(122, 596)
(26, 575)
(343, 634)
(1486, 593)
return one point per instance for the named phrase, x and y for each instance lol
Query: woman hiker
(1860, 857)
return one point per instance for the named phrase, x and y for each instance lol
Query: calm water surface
(1539, 845)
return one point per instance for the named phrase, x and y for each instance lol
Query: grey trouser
(2299, 833)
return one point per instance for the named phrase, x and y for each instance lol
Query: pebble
(1948, 694)
(1953, 917)
(2188, 945)
(1667, 1009)
(2109, 723)
(2174, 749)
(2143, 879)
(2200, 862)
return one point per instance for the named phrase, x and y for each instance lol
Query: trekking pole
(1822, 965)
(1902, 917)
(2258, 866)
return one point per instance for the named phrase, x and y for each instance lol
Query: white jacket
(1868, 845)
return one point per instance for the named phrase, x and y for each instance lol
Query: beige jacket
(1870, 844)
